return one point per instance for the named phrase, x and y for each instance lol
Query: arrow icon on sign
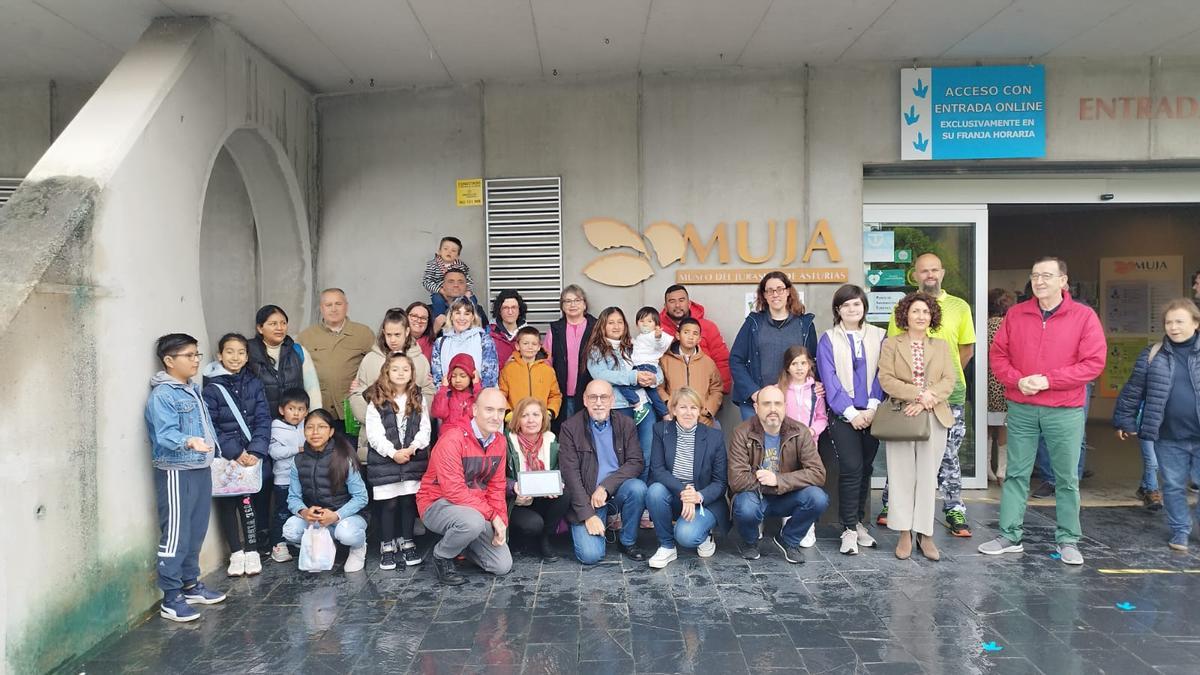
(921, 89)
(921, 143)
(911, 117)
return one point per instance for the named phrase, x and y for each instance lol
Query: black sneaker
(750, 551)
(387, 555)
(1043, 491)
(632, 552)
(957, 522)
(409, 554)
(446, 573)
(547, 551)
(790, 553)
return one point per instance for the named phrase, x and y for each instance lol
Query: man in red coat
(462, 493)
(677, 306)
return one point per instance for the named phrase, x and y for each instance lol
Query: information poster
(1133, 291)
(982, 112)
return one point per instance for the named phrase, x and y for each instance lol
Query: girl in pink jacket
(802, 402)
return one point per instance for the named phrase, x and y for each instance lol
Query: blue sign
(983, 112)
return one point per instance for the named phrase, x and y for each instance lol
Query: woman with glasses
(779, 321)
(564, 344)
(421, 326)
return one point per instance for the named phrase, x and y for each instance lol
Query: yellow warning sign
(469, 192)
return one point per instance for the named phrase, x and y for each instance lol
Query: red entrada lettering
(1138, 107)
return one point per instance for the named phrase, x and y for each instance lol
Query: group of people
(433, 420)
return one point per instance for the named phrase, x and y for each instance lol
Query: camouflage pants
(950, 471)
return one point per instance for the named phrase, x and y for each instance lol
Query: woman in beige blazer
(917, 369)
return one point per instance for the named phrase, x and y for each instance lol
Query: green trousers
(1063, 430)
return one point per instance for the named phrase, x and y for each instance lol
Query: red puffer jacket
(1068, 348)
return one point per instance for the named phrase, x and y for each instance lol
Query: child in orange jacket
(527, 375)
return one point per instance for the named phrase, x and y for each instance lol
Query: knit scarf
(530, 447)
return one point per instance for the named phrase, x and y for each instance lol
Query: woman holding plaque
(532, 447)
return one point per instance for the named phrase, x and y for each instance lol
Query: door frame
(955, 214)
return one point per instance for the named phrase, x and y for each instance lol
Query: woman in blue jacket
(238, 406)
(779, 320)
(1165, 386)
(687, 466)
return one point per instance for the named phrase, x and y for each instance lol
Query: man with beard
(958, 329)
(677, 306)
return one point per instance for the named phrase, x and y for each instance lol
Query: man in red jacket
(462, 493)
(677, 306)
(1046, 351)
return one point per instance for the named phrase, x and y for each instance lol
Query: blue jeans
(804, 506)
(1149, 465)
(629, 501)
(350, 531)
(746, 409)
(1179, 462)
(1043, 454)
(665, 507)
(645, 434)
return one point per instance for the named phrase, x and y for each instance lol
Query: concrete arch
(283, 261)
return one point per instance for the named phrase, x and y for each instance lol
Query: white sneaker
(663, 557)
(357, 559)
(864, 538)
(707, 548)
(237, 564)
(810, 537)
(280, 553)
(253, 563)
(849, 542)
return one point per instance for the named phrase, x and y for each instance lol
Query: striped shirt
(685, 453)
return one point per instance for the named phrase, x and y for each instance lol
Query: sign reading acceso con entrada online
(985, 112)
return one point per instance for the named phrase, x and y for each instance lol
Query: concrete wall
(32, 114)
(229, 289)
(76, 457)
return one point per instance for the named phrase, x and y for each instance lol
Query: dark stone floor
(866, 614)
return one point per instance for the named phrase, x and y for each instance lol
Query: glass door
(894, 236)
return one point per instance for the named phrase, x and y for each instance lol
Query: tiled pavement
(835, 614)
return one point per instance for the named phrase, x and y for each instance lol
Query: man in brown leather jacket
(774, 470)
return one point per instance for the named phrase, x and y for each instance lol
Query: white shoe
(849, 542)
(357, 559)
(253, 563)
(864, 538)
(280, 553)
(810, 537)
(707, 548)
(663, 557)
(237, 564)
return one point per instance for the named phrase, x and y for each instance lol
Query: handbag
(317, 549)
(891, 424)
(230, 479)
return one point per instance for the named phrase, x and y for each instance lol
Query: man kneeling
(462, 493)
(774, 470)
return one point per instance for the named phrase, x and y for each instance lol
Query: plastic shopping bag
(230, 479)
(316, 549)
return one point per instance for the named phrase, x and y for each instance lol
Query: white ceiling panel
(914, 29)
(36, 43)
(381, 41)
(699, 33)
(1035, 27)
(809, 31)
(482, 40)
(1140, 29)
(116, 24)
(275, 29)
(579, 37)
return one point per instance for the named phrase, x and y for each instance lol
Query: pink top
(575, 339)
(798, 405)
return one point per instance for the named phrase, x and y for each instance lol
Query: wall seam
(641, 167)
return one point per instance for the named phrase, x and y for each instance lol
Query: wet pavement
(869, 613)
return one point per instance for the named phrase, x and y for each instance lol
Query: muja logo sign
(629, 264)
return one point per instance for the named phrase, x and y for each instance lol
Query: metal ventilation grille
(524, 242)
(7, 187)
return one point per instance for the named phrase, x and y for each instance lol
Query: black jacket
(276, 379)
(580, 468)
(384, 471)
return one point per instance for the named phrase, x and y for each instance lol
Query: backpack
(300, 351)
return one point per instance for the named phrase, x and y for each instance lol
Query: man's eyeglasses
(1043, 276)
(597, 398)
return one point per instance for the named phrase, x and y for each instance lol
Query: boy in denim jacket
(182, 442)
